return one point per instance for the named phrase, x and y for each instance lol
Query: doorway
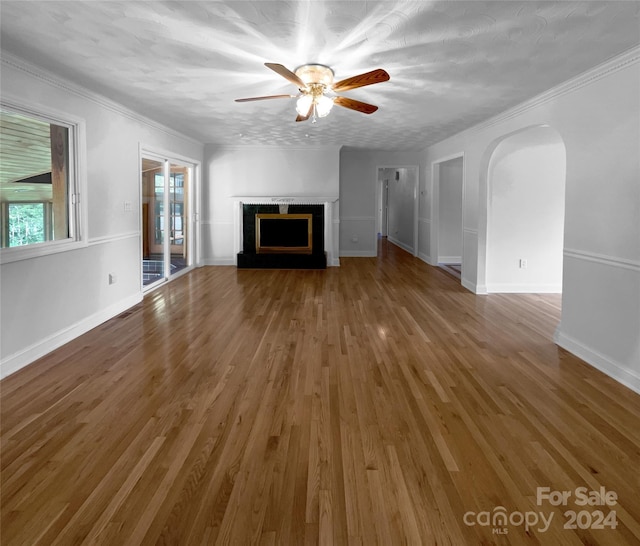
(525, 212)
(450, 216)
(397, 206)
(447, 214)
(167, 202)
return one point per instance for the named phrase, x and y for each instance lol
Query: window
(39, 206)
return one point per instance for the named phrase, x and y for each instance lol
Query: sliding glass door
(166, 212)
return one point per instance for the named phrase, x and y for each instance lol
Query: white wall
(401, 207)
(450, 211)
(46, 301)
(526, 187)
(358, 195)
(596, 116)
(261, 171)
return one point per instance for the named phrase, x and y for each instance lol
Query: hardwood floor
(375, 403)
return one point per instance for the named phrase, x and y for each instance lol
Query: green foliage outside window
(26, 223)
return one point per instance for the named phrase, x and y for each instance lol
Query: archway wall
(525, 218)
(596, 116)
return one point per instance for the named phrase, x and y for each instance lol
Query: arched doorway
(526, 178)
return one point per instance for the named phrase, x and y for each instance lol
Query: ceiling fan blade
(266, 98)
(308, 114)
(375, 76)
(286, 74)
(355, 105)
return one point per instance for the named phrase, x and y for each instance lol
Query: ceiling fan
(318, 91)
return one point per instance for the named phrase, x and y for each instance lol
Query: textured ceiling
(452, 63)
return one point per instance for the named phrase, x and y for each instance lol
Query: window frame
(76, 190)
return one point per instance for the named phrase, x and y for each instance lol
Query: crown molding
(50, 78)
(619, 62)
(300, 147)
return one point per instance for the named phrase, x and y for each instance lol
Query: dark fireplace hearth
(276, 239)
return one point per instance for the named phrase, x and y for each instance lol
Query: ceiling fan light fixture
(317, 90)
(304, 104)
(324, 105)
(315, 73)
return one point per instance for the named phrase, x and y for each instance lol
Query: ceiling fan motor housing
(315, 74)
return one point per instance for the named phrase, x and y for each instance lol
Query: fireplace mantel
(285, 199)
(331, 217)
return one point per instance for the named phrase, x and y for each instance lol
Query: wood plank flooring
(375, 403)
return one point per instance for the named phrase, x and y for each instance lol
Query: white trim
(161, 154)
(357, 254)
(219, 262)
(416, 207)
(434, 235)
(194, 243)
(113, 238)
(445, 260)
(19, 360)
(285, 199)
(424, 257)
(612, 261)
(27, 252)
(357, 218)
(479, 289)
(217, 223)
(76, 215)
(57, 81)
(325, 201)
(613, 369)
(513, 288)
(400, 244)
(592, 75)
(299, 147)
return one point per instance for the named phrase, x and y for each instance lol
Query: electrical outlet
(354, 239)
(113, 278)
(127, 206)
(523, 263)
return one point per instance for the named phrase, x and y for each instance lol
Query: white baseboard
(615, 370)
(479, 289)
(424, 258)
(524, 288)
(16, 361)
(358, 254)
(402, 245)
(219, 261)
(445, 260)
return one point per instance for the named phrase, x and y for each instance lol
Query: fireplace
(283, 237)
(284, 233)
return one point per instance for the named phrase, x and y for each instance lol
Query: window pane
(34, 179)
(26, 223)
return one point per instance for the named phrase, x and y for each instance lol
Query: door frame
(193, 205)
(435, 207)
(416, 203)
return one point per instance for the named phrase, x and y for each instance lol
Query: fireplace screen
(284, 233)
